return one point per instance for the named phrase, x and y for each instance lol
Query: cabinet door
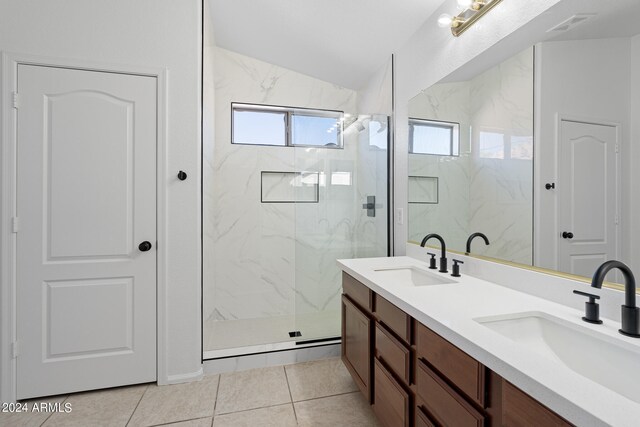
(356, 345)
(391, 402)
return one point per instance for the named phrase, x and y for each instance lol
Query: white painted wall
(587, 79)
(142, 33)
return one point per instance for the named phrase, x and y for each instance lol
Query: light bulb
(477, 5)
(445, 20)
(465, 4)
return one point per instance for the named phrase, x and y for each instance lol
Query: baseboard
(183, 378)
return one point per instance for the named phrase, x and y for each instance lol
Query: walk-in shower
(282, 202)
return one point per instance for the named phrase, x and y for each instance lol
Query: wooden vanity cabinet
(518, 409)
(391, 401)
(357, 333)
(392, 395)
(455, 366)
(414, 377)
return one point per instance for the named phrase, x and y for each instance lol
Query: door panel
(86, 295)
(106, 134)
(74, 308)
(587, 196)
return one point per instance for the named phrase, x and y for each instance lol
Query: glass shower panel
(249, 298)
(348, 220)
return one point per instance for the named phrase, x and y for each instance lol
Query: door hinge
(16, 100)
(15, 349)
(617, 219)
(617, 148)
(15, 224)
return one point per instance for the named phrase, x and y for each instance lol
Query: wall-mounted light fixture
(472, 10)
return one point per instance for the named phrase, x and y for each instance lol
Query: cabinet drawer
(446, 406)
(392, 352)
(390, 401)
(458, 367)
(356, 345)
(358, 292)
(394, 318)
(422, 420)
(521, 410)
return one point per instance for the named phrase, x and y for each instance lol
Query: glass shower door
(349, 219)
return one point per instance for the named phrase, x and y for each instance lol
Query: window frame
(453, 126)
(289, 113)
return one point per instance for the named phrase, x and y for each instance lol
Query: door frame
(8, 180)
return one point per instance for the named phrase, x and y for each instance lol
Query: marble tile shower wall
(501, 176)
(268, 259)
(450, 216)
(489, 187)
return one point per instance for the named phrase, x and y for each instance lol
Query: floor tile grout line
(51, 413)
(215, 402)
(180, 421)
(295, 415)
(137, 404)
(326, 397)
(255, 409)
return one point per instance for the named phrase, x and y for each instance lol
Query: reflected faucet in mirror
(473, 236)
(630, 313)
(443, 248)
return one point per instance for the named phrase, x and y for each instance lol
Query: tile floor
(318, 393)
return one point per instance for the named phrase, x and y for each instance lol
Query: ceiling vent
(571, 23)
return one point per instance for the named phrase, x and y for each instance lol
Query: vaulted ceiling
(340, 41)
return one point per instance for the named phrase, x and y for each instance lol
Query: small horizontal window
(286, 127)
(434, 137)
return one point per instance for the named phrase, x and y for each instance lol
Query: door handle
(567, 235)
(144, 246)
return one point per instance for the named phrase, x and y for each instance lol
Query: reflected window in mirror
(434, 137)
(495, 144)
(491, 145)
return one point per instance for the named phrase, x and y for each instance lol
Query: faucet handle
(592, 309)
(432, 261)
(456, 268)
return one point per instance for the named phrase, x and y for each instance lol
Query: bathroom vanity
(427, 350)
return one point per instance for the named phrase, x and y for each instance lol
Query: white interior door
(86, 199)
(587, 196)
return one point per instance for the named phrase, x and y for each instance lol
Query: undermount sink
(412, 276)
(609, 361)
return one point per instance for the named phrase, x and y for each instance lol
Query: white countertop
(449, 310)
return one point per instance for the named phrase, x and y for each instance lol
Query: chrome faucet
(443, 247)
(630, 313)
(473, 236)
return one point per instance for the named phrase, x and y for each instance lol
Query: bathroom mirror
(547, 177)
